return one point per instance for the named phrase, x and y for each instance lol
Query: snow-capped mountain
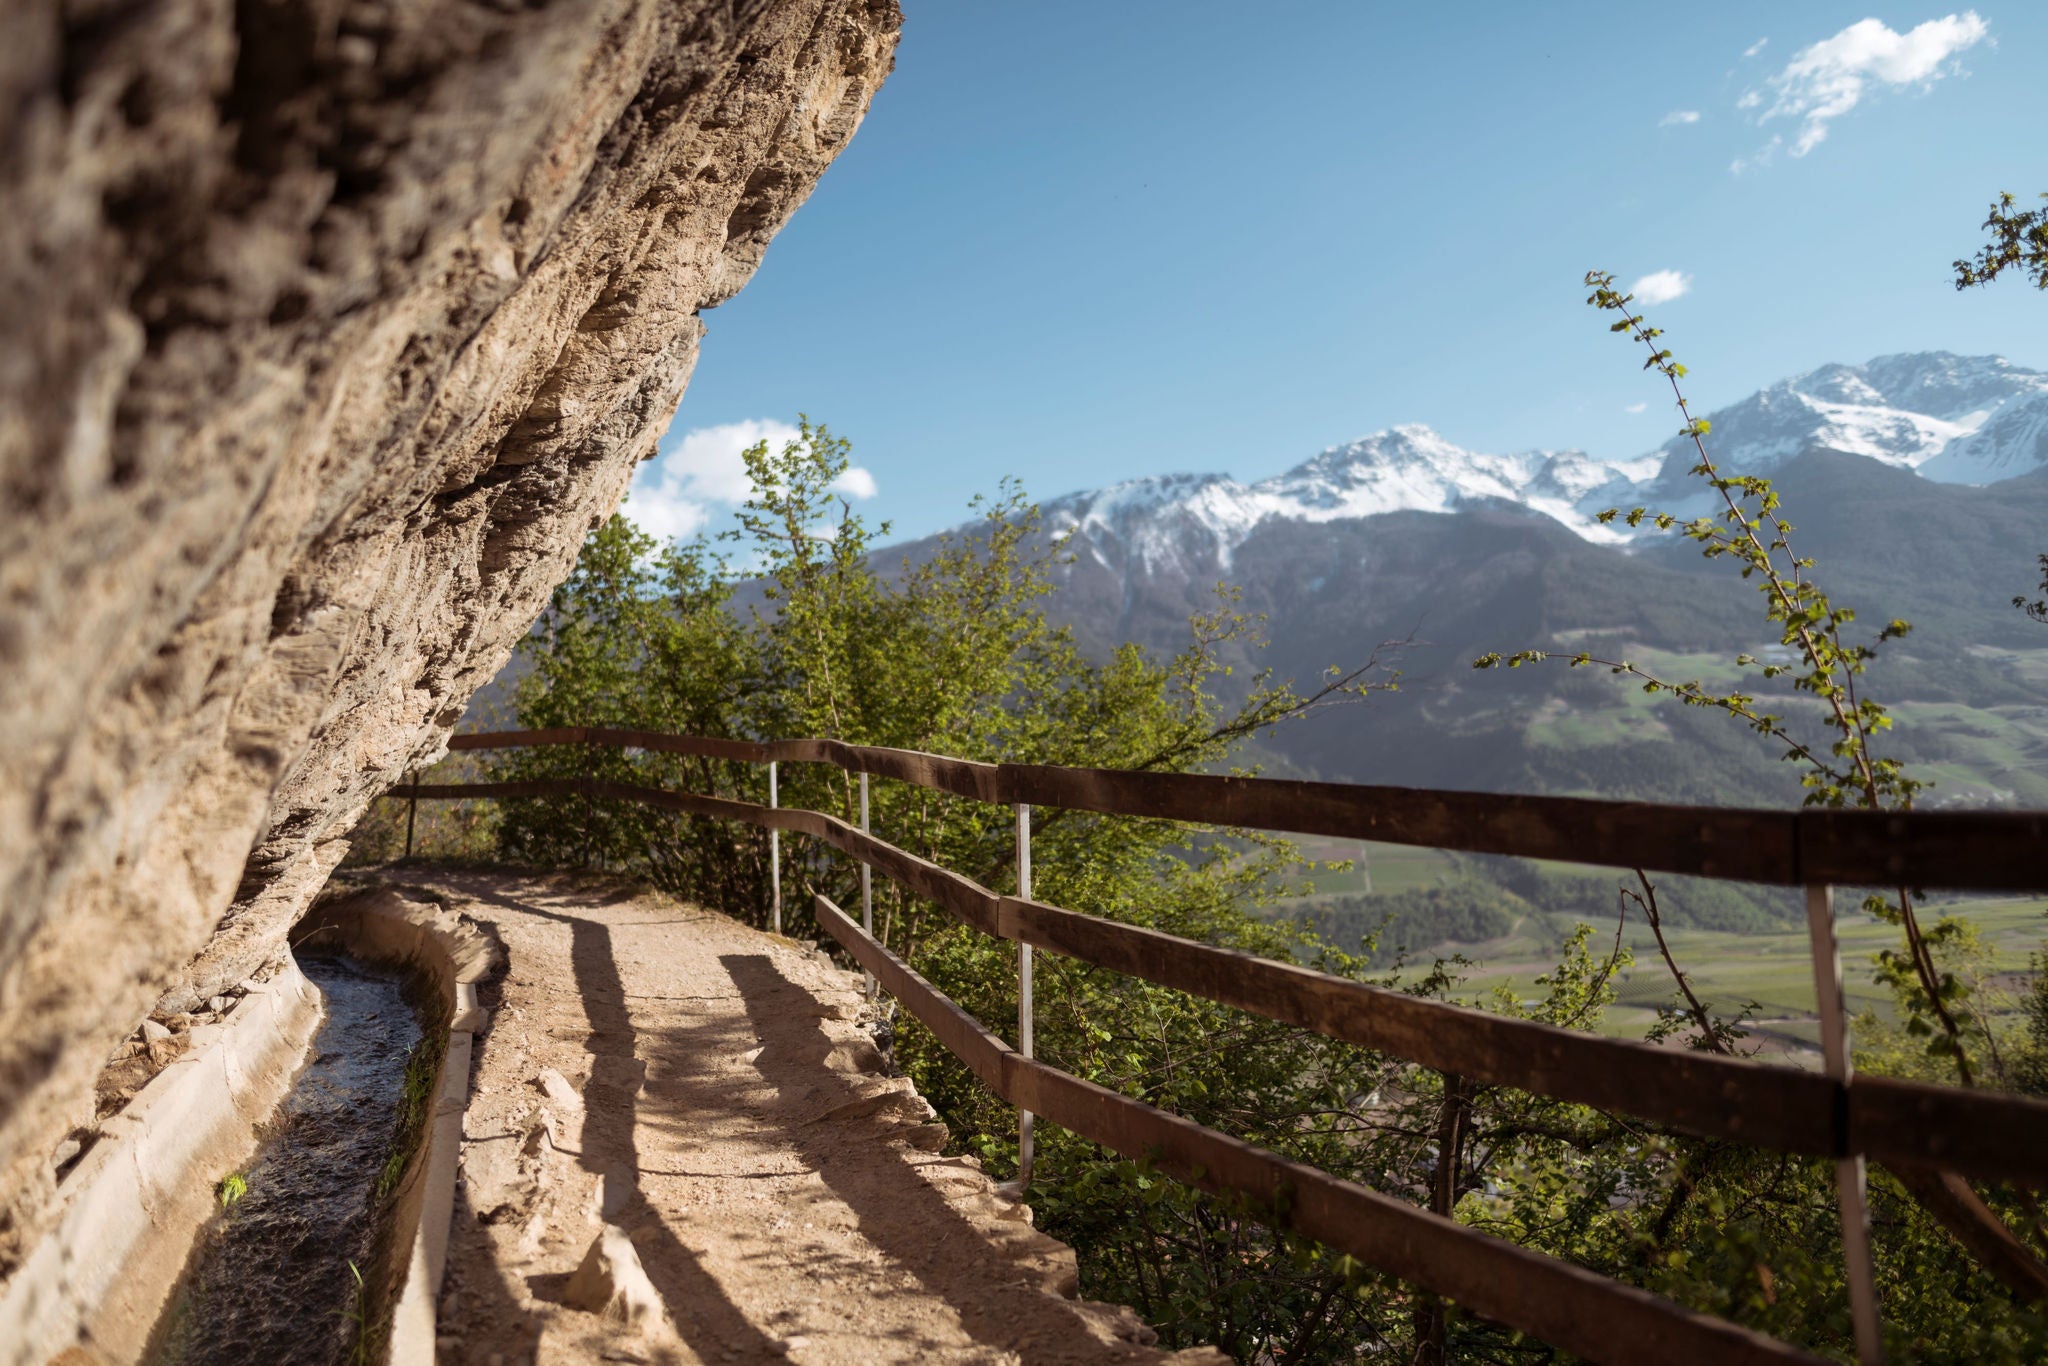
(1163, 520)
(1952, 419)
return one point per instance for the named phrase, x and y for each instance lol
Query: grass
(1560, 726)
(231, 1189)
(1973, 754)
(1394, 867)
(1986, 750)
(363, 1347)
(2029, 665)
(1772, 968)
(415, 1108)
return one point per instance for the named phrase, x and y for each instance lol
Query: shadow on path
(900, 1213)
(703, 1314)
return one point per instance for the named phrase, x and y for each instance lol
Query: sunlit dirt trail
(717, 1100)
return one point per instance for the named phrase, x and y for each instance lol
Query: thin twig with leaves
(1752, 530)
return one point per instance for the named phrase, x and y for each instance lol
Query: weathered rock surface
(327, 328)
(610, 1281)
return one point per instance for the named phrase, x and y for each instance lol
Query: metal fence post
(1025, 1137)
(412, 809)
(867, 881)
(1850, 1191)
(774, 857)
(589, 812)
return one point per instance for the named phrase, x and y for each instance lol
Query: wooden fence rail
(1988, 1135)
(1962, 850)
(1914, 1127)
(1565, 1305)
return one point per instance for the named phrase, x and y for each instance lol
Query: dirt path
(718, 1101)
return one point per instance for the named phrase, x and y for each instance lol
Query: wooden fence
(1937, 1135)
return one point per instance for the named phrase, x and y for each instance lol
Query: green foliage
(1463, 912)
(231, 1189)
(2038, 608)
(2019, 241)
(2030, 1060)
(1846, 768)
(955, 656)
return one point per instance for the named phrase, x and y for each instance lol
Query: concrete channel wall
(132, 1208)
(134, 1204)
(413, 930)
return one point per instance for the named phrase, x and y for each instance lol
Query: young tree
(1841, 767)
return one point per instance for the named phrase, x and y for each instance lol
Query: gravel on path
(707, 1090)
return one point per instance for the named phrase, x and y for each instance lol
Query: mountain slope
(1954, 419)
(1906, 410)
(1403, 536)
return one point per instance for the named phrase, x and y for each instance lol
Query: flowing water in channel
(269, 1279)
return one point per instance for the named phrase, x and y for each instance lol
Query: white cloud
(1755, 47)
(1660, 287)
(1677, 116)
(855, 483)
(1762, 156)
(1635, 407)
(1825, 81)
(700, 473)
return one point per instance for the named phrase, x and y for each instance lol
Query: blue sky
(1078, 242)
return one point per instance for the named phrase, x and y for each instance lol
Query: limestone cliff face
(327, 329)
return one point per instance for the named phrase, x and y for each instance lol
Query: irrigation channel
(288, 1270)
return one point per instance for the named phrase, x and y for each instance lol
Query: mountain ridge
(1404, 536)
(1949, 418)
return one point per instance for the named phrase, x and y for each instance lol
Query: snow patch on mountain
(1905, 410)
(1954, 419)
(1412, 468)
(1186, 523)
(2007, 443)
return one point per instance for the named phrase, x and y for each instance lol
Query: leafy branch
(1752, 530)
(1715, 1035)
(2019, 241)
(2038, 608)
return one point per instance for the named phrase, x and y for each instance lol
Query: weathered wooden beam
(1988, 850)
(1701, 1093)
(1990, 1135)
(1985, 850)
(1983, 1134)
(1565, 1305)
(962, 1034)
